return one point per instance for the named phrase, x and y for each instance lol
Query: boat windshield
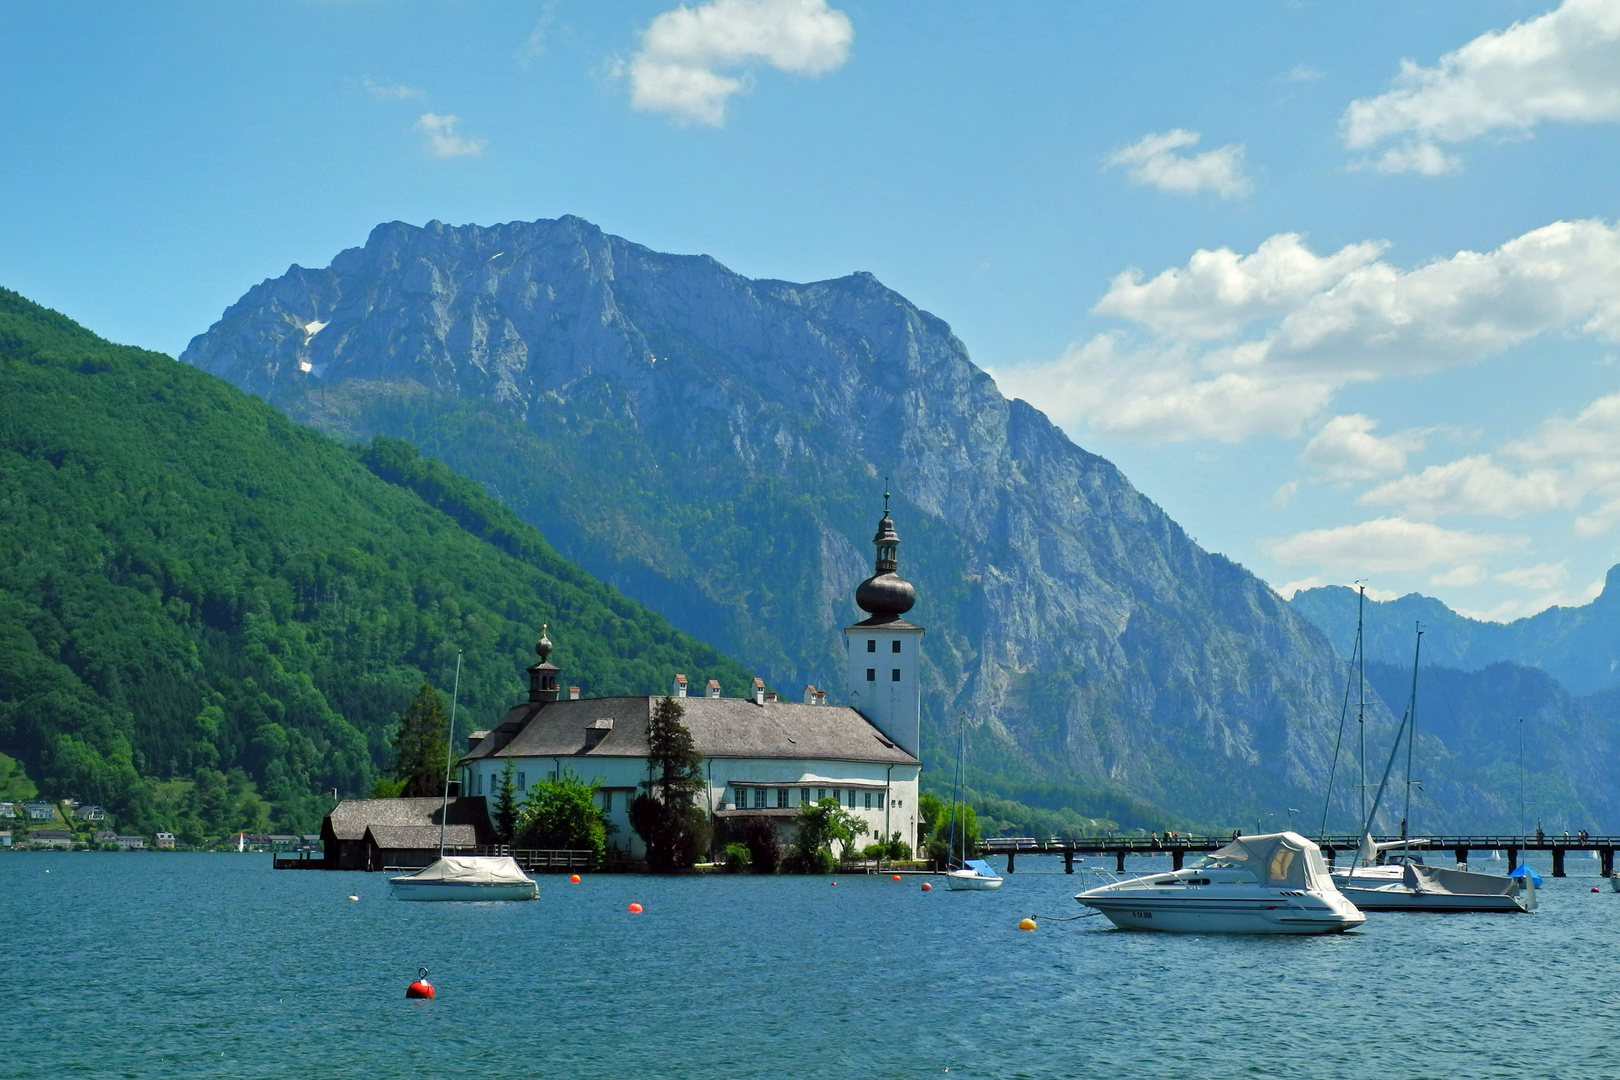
(1212, 862)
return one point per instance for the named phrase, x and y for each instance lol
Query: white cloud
(676, 70)
(1511, 609)
(1151, 160)
(389, 91)
(1287, 591)
(1476, 485)
(1425, 159)
(442, 140)
(1387, 545)
(1560, 66)
(1459, 576)
(1540, 578)
(1345, 449)
(1302, 73)
(1242, 344)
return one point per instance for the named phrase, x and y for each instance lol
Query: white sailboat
(1276, 883)
(969, 875)
(1407, 884)
(463, 877)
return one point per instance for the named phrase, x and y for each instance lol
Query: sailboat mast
(449, 750)
(1361, 706)
(1411, 734)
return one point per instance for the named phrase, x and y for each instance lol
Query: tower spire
(885, 595)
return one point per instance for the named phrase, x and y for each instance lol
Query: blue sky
(1338, 285)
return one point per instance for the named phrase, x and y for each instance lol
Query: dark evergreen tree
(506, 806)
(667, 817)
(419, 745)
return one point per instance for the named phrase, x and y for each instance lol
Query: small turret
(543, 676)
(885, 595)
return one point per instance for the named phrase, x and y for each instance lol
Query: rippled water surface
(163, 965)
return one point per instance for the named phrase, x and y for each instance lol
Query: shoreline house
(374, 834)
(763, 758)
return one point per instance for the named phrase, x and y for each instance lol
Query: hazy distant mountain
(715, 446)
(1579, 646)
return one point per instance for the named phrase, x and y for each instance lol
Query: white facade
(883, 679)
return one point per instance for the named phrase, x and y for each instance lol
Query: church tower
(885, 651)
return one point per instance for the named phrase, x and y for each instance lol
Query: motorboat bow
(1275, 883)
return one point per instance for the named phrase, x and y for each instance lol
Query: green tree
(566, 813)
(419, 745)
(820, 825)
(945, 844)
(506, 805)
(667, 817)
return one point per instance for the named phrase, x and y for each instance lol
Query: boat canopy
(980, 867)
(1284, 859)
(472, 870)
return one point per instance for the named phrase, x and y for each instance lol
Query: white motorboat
(975, 874)
(1276, 883)
(467, 877)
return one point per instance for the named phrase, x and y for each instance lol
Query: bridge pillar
(1558, 862)
(1513, 860)
(1328, 853)
(1009, 862)
(1176, 857)
(1068, 860)
(1606, 861)
(1119, 860)
(1462, 856)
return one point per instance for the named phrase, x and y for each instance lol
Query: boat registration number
(1141, 914)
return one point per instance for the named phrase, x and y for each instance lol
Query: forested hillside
(209, 615)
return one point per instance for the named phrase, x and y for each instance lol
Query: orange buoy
(634, 909)
(897, 877)
(1026, 924)
(421, 988)
(574, 879)
(927, 887)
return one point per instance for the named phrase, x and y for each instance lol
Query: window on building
(522, 781)
(871, 674)
(894, 675)
(804, 796)
(869, 800)
(880, 800)
(607, 802)
(894, 646)
(781, 798)
(739, 799)
(838, 795)
(871, 644)
(852, 798)
(821, 793)
(759, 798)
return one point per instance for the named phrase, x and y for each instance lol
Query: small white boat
(467, 877)
(1412, 886)
(1614, 882)
(1276, 883)
(975, 874)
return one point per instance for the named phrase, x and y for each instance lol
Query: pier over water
(1177, 847)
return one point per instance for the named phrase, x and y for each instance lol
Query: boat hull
(1402, 899)
(965, 881)
(409, 890)
(1222, 916)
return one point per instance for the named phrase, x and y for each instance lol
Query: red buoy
(634, 909)
(574, 879)
(897, 877)
(421, 988)
(927, 887)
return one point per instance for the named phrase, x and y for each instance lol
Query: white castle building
(762, 757)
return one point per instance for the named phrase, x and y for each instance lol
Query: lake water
(178, 965)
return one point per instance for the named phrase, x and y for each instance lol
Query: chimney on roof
(714, 687)
(680, 686)
(573, 693)
(759, 691)
(821, 697)
(809, 695)
(770, 696)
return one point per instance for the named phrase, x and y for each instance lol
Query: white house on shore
(762, 757)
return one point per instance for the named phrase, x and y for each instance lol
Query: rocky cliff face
(717, 446)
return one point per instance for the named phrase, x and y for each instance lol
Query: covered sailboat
(467, 877)
(974, 874)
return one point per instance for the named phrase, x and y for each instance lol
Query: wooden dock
(1177, 847)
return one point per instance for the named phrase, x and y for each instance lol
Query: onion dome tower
(543, 676)
(885, 651)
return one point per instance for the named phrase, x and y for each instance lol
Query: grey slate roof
(351, 817)
(720, 727)
(417, 837)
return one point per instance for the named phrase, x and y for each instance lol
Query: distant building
(763, 759)
(105, 836)
(52, 838)
(130, 843)
(90, 813)
(40, 811)
(8, 811)
(5, 837)
(371, 834)
(163, 840)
